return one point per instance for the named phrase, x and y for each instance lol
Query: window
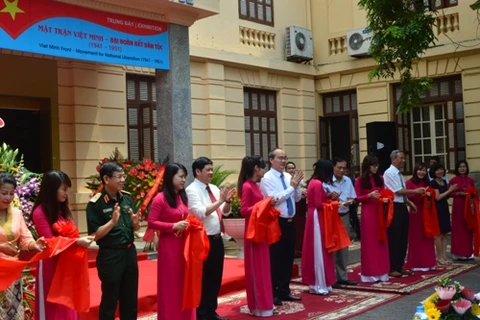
(260, 121)
(435, 128)
(142, 117)
(340, 123)
(260, 11)
(441, 4)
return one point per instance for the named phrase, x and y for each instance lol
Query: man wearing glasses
(111, 219)
(285, 188)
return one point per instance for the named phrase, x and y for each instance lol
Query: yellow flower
(475, 309)
(433, 298)
(428, 304)
(433, 314)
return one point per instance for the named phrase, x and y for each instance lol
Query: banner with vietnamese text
(63, 30)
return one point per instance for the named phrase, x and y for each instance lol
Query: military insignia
(126, 192)
(106, 198)
(95, 197)
(107, 210)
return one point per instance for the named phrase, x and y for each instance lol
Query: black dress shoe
(217, 317)
(291, 298)
(347, 282)
(277, 301)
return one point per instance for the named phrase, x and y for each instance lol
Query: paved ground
(400, 309)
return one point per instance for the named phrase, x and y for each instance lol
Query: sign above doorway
(64, 30)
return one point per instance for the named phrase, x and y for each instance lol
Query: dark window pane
(425, 113)
(417, 132)
(439, 128)
(416, 114)
(459, 110)
(426, 130)
(427, 146)
(460, 135)
(417, 145)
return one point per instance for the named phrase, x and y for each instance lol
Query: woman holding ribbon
(258, 281)
(169, 215)
(14, 236)
(318, 268)
(375, 260)
(421, 246)
(442, 192)
(462, 235)
(52, 217)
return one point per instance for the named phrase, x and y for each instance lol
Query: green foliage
(219, 175)
(400, 36)
(476, 5)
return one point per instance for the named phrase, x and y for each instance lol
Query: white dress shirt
(343, 187)
(393, 181)
(271, 186)
(198, 200)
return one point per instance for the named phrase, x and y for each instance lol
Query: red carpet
(233, 281)
(407, 285)
(340, 304)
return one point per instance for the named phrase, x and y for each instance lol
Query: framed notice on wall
(64, 30)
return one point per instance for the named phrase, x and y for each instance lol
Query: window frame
(256, 2)
(140, 106)
(405, 128)
(251, 113)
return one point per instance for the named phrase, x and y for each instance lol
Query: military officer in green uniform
(111, 218)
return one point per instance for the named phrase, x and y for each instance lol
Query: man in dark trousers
(111, 219)
(285, 188)
(209, 204)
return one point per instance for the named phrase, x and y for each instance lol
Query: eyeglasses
(120, 177)
(282, 158)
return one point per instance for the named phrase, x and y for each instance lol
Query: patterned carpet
(406, 285)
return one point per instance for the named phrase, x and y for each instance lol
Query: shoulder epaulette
(126, 192)
(96, 197)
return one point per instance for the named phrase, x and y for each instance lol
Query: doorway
(27, 128)
(340, 137)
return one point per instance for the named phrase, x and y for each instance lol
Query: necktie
(219, 212)
(403, 186)
(289, 200)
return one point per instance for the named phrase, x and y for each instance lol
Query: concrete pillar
(174, 110)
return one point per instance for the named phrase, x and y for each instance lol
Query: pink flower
(468, 294)
(461, 306)
(445, 293)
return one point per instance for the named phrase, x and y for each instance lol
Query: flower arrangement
(235, 207)
(452, 301)
(140, 177)
(28, 186)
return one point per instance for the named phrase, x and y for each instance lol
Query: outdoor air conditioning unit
(298, 44)
(358, 42)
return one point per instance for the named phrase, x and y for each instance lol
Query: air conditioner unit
(298, 44)
(358, 42)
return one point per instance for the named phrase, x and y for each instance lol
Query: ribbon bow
(384, 213)
(431, 227)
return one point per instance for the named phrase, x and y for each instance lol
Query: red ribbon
(10, 270)
(384, 213)
(336, 236)
(431, 227)
(472, 216)
(153, 191)
(263, 224)
(71, 284)
(195, 252)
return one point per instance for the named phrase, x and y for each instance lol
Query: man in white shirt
(397, 232)
(342, 191)
(285, 188)
(209, 204)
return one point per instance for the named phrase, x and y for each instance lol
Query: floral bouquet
(140, 177)
(235, 206)
(452, 301)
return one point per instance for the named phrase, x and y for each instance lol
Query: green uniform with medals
(117, 263)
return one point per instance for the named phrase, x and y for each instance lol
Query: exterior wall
(217, 107)
(92, 120)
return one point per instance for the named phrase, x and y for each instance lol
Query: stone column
(174, 110)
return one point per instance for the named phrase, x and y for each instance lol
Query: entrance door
(340, 137)
(22, 132)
